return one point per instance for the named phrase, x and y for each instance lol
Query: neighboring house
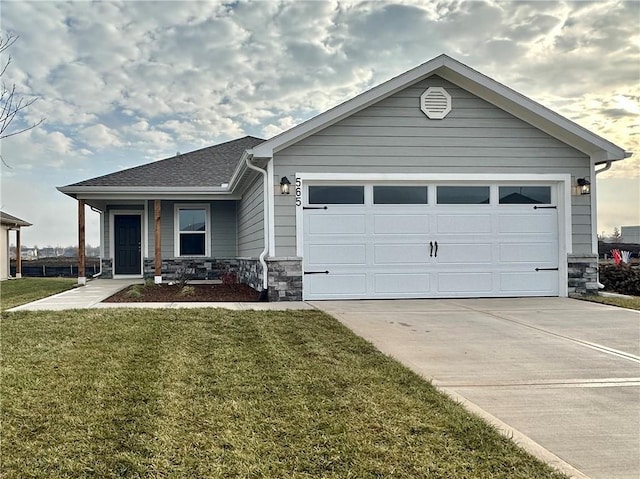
(630, 234)
(440, 182)
(9, 223)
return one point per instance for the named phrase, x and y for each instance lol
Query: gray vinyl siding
(251, 220)
(394, 136)
(223, 228)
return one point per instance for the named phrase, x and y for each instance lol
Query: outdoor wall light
(284, 185)
(584, 186)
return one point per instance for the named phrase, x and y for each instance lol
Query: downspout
(101, 240)
(265, 276)
(597, 172)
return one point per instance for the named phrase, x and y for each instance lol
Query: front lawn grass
(208, 393)
(15, 292)
(629, 303)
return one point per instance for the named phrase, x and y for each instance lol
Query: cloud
(99, 136)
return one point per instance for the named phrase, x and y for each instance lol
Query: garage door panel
(463, 224)
(464, 253)
(471, 283)
(330, 254)
(383, 250)
(400, 224)
(405, 253)
(525, 283)
(337, 284)
(528, 252)
(527, 223)
(402, 283)
(328, 223)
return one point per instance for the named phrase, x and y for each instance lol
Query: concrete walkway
(95, 291)
(560, 376)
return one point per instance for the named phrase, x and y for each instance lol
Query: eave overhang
(146, 192)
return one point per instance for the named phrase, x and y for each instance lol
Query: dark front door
(127, 239)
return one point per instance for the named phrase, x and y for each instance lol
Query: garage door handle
(430, 249)
(436, 249)
(316, 272)
(546, 269)
(314, 208)
(545, 207)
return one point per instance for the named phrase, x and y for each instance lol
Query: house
(9, 223)
(630, 234)
(440, 182)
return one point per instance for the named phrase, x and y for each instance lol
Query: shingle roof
(7, 219)
(209, 166)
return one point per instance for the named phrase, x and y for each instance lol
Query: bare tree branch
(11, 106)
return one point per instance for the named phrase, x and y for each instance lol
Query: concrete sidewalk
(560, 376)
(95, 291)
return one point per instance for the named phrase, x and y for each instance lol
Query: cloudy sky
(125, 83)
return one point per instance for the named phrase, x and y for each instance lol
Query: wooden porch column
(18, 255)
(157, 279)
(82, 279)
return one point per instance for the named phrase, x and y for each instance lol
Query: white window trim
(176, 228)
(143, 233)
(561, 185)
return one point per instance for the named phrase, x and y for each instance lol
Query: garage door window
(525, 195)
(336, 195)
(463, 195)
(400, 195)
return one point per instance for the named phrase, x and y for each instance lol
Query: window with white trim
(192, 230)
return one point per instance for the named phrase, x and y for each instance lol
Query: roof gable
(211, 166)
(472, 81)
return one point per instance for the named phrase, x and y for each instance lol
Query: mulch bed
(165, 293)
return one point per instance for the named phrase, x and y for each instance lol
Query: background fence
(44, 270)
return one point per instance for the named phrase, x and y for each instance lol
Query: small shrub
(229, 277)
(184, 274)
(148, 282)
(621, 279)
(135, 291)
(188, 291)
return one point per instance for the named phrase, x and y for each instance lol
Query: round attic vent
(435, 102)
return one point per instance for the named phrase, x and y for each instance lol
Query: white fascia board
(469, 79)
(147, 193)
(530, 111)
(241, 167)
(157, 196)
(348, 108)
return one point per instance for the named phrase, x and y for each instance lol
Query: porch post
(157, 279)
(18, 254)
(82, 279)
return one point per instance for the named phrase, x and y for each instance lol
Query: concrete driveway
(561, 375)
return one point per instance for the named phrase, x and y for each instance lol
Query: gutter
(265, 273)
(606, 167)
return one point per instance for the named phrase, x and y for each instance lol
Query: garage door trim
(561, 185)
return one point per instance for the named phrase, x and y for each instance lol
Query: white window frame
(176, 228)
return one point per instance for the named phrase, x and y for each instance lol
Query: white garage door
(382, 241)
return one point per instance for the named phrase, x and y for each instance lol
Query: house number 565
(298, 192)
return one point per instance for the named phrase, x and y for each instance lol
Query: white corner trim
(593, 204)
(271, 208)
